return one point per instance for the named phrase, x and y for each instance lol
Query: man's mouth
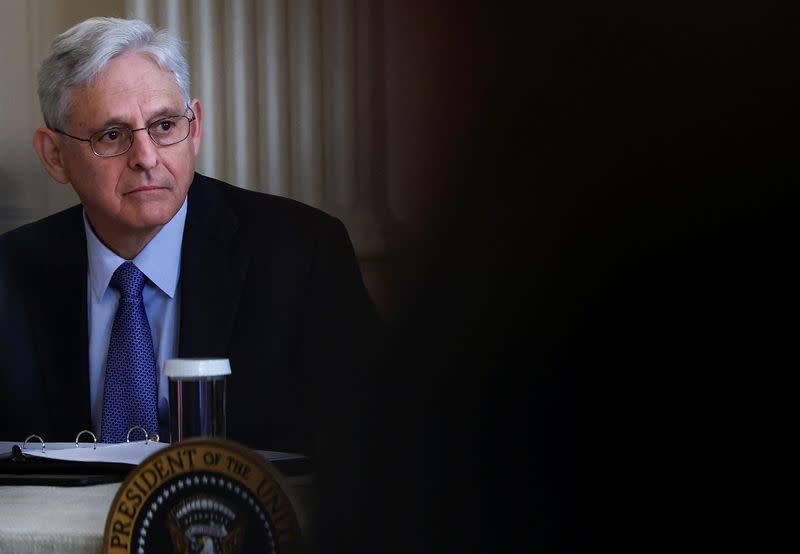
(145, 189)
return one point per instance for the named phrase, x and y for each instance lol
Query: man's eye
(164, 126)
(111, 135)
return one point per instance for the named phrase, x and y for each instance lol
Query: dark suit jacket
(267, 282)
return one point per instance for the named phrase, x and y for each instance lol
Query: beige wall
(26, 29)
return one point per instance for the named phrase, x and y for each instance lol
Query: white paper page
(123, 453)
(5, 448)
(132, 453)
(35, 446)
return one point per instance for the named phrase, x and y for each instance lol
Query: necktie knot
(128, 280)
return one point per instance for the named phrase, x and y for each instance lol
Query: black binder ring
(146, 436)
(24, 444)
(79, 436)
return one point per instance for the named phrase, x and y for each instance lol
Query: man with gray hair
(159, 262)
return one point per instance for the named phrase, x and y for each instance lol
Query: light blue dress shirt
(160, 261)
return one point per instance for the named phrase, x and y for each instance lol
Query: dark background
(596, 346)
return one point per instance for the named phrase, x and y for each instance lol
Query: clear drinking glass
(197, 403)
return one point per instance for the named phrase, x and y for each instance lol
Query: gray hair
(79, 54)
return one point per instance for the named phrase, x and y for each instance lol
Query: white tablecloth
(54, 519)
(63, 520)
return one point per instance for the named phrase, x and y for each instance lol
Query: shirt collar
(160, 260)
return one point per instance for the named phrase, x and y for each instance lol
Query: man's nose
(143, 153)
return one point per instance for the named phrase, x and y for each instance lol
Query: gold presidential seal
(202, 495)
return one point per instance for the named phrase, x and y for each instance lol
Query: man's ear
(196, 132)
(49, 146)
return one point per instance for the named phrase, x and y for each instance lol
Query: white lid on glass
(182, 368)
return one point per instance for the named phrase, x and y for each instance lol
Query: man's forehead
(130, 87)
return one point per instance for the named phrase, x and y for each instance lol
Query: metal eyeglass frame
(147, 128)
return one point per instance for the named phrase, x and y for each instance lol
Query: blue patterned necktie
(130, 395)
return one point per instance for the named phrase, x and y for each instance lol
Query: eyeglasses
(116, 141)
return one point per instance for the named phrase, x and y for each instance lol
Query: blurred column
(305, 101)
(273, 97)
(242, 111)
(339, 78)
(206, 83)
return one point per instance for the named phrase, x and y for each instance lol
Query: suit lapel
(213, 267)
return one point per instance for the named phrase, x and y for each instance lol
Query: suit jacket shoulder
(273, 285)
(43, 336)
(214, 200)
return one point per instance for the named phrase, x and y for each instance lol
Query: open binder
(35, 462)
(18, 468)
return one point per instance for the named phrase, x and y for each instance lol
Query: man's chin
(155, 215)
